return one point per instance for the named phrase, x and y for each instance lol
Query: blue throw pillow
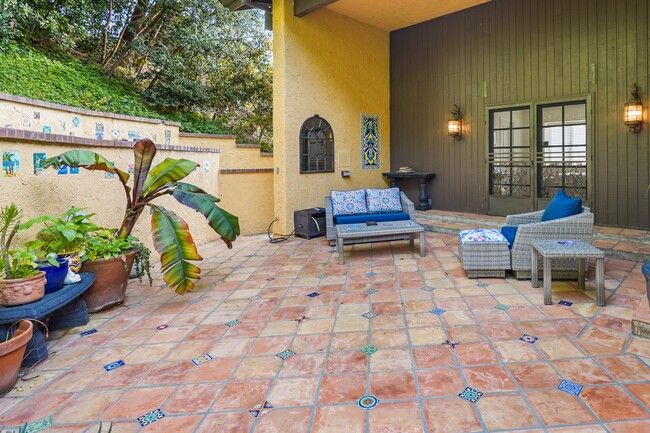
(509, 232)
(562, 206)
(383, 200)
(348, 202)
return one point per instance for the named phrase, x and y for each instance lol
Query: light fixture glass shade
(633, 111)
(455, 124)
(454, 127)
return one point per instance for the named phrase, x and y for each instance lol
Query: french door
(534, 151)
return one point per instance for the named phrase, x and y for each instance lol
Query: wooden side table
(560, 249)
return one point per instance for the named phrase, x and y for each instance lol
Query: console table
(48, 303)
(421, 177)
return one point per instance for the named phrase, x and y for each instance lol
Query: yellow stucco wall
(338, 68)
(245, 184)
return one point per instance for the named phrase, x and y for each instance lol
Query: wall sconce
(633, 111)
(455, 124)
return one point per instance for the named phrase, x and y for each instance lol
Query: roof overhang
(388, 15)
(391, 15)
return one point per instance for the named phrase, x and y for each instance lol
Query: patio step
(620, 243)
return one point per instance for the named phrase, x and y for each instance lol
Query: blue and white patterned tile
(470, 394)
(502, 307)
(482, 284)
(233, 323)
(151, 417)
(39, 425)
(529, 338)
(313, 294)
(254, 298)
(570, 387)
(320, 277)
(285, 354)
(260, 409)
(114, 365)
(428, 288)
(161, 327)
(449, 344)
(370, 315)
(438, 311)
(195, 301)
(565, 303)
(368, 349)
(201, 359)
(88, 332)
(370, 291)
(371, 274)
(367, 402)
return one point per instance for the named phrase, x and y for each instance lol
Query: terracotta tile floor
(261, 302)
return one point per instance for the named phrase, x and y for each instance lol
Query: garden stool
(484, 253)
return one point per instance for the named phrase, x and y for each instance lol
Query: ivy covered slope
(25, 71)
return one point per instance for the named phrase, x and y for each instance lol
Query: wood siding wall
(525, 51)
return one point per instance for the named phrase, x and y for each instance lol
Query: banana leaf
(88, 160)
(222, 222)
(170, 170)
(144, 152)
(174, 243)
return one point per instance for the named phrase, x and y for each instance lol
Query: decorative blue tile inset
(331, 251)
(201, 359)
(367, 402)
(254, 298)
(161, 327)
(151, 417)
(233, 323)
(313, 294)
(39, 425)
(570, 387)
(163, 286)
(428, 289)
(285, 354)
(260, 409)
(113, 365)
(250, 255)
(88, 332)
(470, 394)
(320, 277)
(196, 301)
(438, 311)
(529, 338)
(372, 260)
(370, 291)
(502, 307)
(482, 284)
(370, 315)
(566, 303)
(270, 279)
(236, 267)
(371, 274)
(368, 349)
(449, 344)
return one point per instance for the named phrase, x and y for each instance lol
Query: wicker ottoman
(484, 253)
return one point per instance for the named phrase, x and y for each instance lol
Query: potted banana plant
(171, 235)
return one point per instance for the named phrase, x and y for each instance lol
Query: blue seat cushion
(509, 232)
(378, 217)
(562, 206)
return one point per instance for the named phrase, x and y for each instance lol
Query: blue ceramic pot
(54, 276)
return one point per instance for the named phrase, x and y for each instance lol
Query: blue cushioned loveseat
(359, 206)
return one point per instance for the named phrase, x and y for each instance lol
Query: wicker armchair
(407, 207)
(530, 228)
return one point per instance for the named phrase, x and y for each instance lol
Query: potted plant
(171, 235)
(110, 259)
(20, 281)
(12, 350)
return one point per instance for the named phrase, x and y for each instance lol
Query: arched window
(316, 146)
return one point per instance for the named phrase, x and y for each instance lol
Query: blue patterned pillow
(383, 200)
(348, 202)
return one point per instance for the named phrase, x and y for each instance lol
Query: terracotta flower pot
(111, 280)
(21, 291)
(11, 355)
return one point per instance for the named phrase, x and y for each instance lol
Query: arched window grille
(316, 146)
